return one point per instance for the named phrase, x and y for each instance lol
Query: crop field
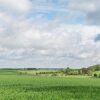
(14, 86)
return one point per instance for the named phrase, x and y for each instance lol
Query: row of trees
(83, 71)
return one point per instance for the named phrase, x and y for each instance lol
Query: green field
(14, 86)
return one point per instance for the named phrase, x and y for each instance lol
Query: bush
(54, 74)
(99, 75)
(95, 75)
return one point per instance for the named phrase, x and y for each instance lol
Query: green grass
(96, 72)
(27, 87)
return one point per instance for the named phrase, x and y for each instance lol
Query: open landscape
(49, 49)
(24, 84)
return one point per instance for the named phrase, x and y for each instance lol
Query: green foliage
(14, 86)
(95, 67)
(95, 75)
(99, 75)
(54, 74)
(62, 72)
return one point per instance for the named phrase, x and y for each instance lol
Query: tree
(85, 71)
(67, 71)
(95, 75)
(80, 72)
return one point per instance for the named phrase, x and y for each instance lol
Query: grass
(96, 72)
(27, 87)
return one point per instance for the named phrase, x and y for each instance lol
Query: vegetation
(62, 84)
(90, 71)
(26, 87)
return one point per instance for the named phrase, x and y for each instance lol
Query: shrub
(99, 75)
(95, 75)
(54, 74)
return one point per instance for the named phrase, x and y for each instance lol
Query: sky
(49, 33)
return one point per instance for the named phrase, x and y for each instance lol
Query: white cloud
(84, 5)
(50, 43)
(19, 5)
(90, 7)
(62, 41)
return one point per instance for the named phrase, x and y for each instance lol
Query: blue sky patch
(97, 38)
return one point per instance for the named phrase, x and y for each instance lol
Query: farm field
(14, 86)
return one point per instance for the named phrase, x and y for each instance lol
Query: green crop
(14, 86)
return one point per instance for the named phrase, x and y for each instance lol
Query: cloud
(17, 5)
(91, 9)
(84, 6)
(28, 39)
(62, 41)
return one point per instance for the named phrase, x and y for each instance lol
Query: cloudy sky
(49, 33)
